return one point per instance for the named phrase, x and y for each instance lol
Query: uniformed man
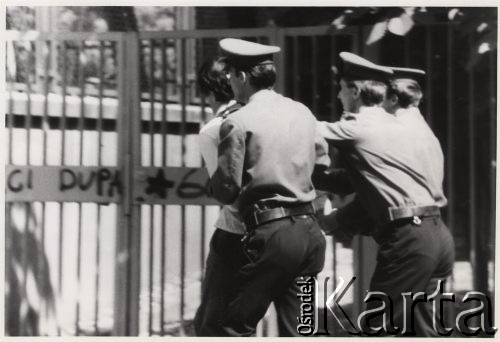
(225, 256)
(394, 170)
(404, 94)
(267, 153)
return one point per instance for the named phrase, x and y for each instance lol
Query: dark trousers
(412, 258)
(225, 278)
(225, 258)
(278, 252)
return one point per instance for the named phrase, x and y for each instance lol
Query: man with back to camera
(394, 169)
(402, 100)
(267, 153)
(226, 255)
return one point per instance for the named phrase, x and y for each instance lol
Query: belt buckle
(417, 221)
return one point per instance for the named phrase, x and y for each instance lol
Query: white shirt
(208, 140)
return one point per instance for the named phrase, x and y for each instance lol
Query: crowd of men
(266, 155)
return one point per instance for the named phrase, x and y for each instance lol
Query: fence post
(127, 280)
(277, 37)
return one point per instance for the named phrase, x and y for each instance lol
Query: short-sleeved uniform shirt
(392, 164)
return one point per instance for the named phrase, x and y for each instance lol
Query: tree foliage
(478, 22)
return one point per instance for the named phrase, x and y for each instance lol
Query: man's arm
(324, 178)
(321, 150)
(339, 133)
(226, 181)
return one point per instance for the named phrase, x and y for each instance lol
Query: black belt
(410, 212)
(396, 217)
(258, 217)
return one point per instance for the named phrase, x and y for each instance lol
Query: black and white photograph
(250, 171)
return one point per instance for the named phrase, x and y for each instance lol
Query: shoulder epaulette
(231, 109)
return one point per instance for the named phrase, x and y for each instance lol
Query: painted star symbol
(158, 184)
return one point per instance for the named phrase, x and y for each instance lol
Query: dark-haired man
(394, 174)
(225, 256)
(267, 153)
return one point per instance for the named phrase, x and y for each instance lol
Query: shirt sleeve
(226, 181)
(340, 132)
(321, 148)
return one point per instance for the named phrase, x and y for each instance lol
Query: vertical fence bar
(277, 37)
(99, 128)
(472, 173)
(450, 136)
(314, 87)
(151, 206)
(493, 150)
(128, 236)
(449, 128)
(429, 73)
(9, 269)
(25, 260)
(45, 124)
(203, 208)
(41, 263)
(45, 127)
(134, 146)
(81, 80)
(163, 164)
(78, 270)
(151, 100)
(183, 163)
(333, 83)
(333, 116)
(124, 129)
(295, 73)
(27, 206)
(27, 123)
(11, 80)
(63, 162)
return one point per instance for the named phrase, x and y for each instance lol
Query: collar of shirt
(223, 107)
(261, 94)
(406, 111)
(371, 110)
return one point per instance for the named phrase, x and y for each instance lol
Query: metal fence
(107, 216)
(62, 189)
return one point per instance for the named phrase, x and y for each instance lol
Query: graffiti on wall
(168, 185)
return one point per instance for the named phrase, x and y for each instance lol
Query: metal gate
(63, 183)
